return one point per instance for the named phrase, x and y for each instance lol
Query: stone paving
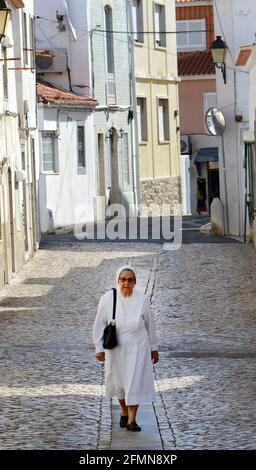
(203, 299)
(204, 305)
(51, 384)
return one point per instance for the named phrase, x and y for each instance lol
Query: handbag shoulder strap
(114, 303)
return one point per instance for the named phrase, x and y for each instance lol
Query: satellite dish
(215, 121)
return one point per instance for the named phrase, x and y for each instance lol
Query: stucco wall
(66, 194)
(238, 22)
(156, 78)
(192, 112)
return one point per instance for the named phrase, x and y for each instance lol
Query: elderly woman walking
(128, 366)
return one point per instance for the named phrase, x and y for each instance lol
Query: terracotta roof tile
(195, 63)
(17, 3)
(48, 93)
(243, 56)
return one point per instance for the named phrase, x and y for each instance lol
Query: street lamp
(219, 53)
(5, 14)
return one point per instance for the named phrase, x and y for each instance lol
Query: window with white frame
(125, 155)
(137, 20)
(191, 35)
(160, 25)
(163, 120)
(81, 149)
(32, 41)
(210, 100)
(142, 119)
(25, 39)
(5, 73)
(49, 151)
(109, 38)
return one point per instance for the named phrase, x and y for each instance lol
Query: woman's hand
(154, 356)
(100, 356)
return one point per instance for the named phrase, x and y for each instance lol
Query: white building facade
(235, 22)
(247, 60)
(19, 236)
(65, 121)
(85, 61)
(113, 85)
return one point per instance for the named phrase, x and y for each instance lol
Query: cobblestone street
(203, 299)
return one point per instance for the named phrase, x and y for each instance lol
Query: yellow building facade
(155, 51)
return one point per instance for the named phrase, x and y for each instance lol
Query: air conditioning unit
(54, 61)
(185, 145)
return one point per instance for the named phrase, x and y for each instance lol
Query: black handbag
(109, 335)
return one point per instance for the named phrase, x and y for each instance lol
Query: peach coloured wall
(191, 96)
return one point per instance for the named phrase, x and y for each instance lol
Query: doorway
(9, 233)
(115, 189)
(213, 186)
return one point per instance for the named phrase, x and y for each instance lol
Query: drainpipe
(135, 136)
(92, 56)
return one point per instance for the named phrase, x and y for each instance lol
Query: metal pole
(225, 187)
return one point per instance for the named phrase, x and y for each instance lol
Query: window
(5, 74)
(81, 149)
(142, 119)
(210, 100)
(49, 154)
(25, 39)
(160, 28)
(110, 82)
(125, 154)
(192, 35)
(137, 20)
(163, 120)
(32, 41)
(109, 39)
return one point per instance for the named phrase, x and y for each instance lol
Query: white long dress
(128, 366)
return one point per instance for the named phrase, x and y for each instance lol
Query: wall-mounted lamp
(219, 53)
(5, 14)
(110, 132)
(121, 133)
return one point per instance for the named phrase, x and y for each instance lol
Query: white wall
(75, 39)
(67, 194)
(237, 22)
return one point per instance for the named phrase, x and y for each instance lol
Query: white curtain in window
(161, 121)
(139, 119)
(48, 152)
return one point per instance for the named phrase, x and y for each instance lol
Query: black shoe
(123, 421)
(133, 426)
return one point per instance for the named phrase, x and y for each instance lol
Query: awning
(208, 154)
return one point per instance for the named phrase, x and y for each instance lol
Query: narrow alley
(203, 300)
